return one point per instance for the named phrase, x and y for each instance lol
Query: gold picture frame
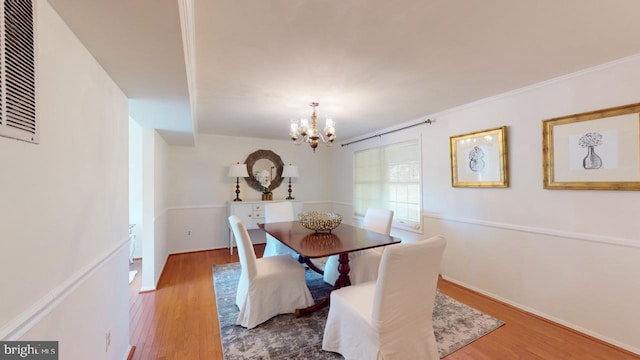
(597, 150)
(480, 159)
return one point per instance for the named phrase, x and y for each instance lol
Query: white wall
(64, 230)
(570, 256)
(148, 210)
(198, 185)
(161, 169)
(154, 208)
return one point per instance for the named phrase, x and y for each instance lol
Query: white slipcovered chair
(390, 318)
(267, 286)
(363, 264)
(277, 212)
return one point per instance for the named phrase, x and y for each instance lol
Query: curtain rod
(428, 121)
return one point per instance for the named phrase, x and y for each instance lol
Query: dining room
(522, 238)
(520, 243)
(524, 114)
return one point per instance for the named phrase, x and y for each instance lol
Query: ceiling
(245, 68)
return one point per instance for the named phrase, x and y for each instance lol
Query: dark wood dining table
(312, 245)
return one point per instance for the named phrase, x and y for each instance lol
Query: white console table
(251, 213)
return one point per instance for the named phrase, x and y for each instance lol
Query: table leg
(343, 269)
(343, 280)
(310, 264)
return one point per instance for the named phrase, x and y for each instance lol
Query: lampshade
(238, 170)
(290, 171)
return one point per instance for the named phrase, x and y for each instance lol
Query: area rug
(287, 337)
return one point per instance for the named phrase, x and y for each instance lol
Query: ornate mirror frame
(267, 155)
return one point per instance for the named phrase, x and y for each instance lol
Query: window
(389, 177)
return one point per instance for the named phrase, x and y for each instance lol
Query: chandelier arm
(326, 142)
(301, 140)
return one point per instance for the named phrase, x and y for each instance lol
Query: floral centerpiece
(264, 178)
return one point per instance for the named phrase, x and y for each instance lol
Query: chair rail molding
(192, 207)
(17, 327)
(610, 240)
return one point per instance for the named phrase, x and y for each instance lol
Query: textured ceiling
(254, 65)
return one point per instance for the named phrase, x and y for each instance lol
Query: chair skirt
(279, 288)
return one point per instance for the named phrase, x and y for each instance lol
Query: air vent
(18, 71)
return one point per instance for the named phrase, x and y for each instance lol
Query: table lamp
(237, 171)
(290, 171)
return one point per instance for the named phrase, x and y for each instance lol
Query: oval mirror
(264, 160)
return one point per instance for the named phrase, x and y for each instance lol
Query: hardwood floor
(179, 320)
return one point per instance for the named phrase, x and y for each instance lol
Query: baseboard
(129, 355)
(195, 251)
(164, 264)
(547, 318)
(147, 289)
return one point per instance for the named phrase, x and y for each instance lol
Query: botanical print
(592, 151)
(476, 163)
(590, 140)
(479, 159)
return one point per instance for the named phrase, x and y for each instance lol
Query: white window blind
(389, 177)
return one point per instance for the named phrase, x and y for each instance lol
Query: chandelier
(310, 134)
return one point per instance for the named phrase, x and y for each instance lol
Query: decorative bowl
(320, 221)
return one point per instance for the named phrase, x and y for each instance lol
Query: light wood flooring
(179, 320)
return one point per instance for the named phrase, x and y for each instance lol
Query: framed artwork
(598, 150)
(480, 159)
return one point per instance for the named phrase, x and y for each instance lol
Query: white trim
(541, 84)
(24, 322)
(187, 23)
(126, 353)
(412, 227)
(609, 240)
(341, 203)
(542, 231)
(164, 264)
(409, 226)
(162, 213)
(433, 117)
(192, 207)
(317, 202)
(147, 289)
(545, 316)
(224, 206)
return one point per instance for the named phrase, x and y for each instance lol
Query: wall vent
(18, 71)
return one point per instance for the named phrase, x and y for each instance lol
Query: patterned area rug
(287, 337)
